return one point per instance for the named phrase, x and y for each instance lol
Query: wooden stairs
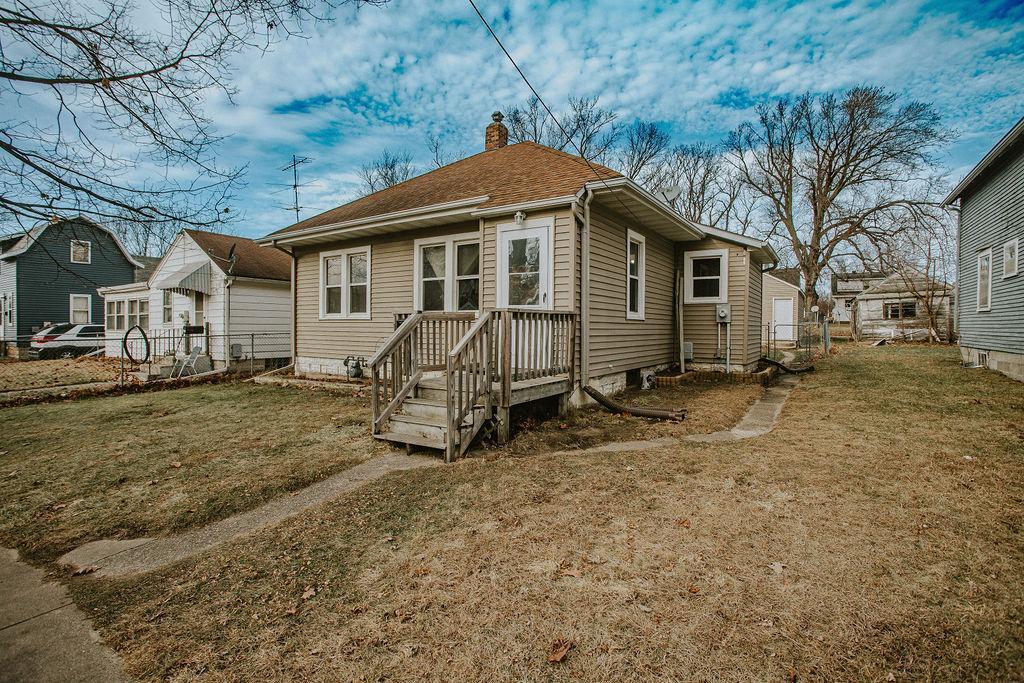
(422, 419)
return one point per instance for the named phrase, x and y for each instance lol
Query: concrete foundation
(1010, 364)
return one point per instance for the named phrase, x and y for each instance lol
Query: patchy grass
(37, 374)
(138, 465)
(710, 407)
(876, 531)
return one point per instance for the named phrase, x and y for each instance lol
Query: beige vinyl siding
(616, 343)
(391, 292)
(755, 297)
(699, 322)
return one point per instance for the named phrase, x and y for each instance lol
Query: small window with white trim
(1011, 257)
(636, 275)
(345, 284)
(706, 276)
(168, 307)
(447, 273)
(81, 251)
(81, 309)
(985, 280)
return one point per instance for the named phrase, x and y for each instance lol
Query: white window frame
(344, 254)
(167, 307)
(1016, 257)
(986, 253)
(197, 297)
(88, 245)
(88, 308)
(641, 276)
(723, 289)
(451, 292)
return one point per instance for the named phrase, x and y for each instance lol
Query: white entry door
(782, 319)
(524, 281)
(524, 268)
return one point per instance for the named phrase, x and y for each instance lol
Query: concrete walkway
(759, 419)
(43, 636)
(120, 558)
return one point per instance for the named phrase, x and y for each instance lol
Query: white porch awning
(191, 277)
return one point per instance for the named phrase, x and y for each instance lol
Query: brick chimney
(497, 133)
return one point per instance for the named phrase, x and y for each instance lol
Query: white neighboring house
(236, 291)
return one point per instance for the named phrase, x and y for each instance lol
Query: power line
(544, 104)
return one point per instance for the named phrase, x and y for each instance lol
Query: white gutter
(584, 373)
(650, 201)
(526, 206)
(381, 220)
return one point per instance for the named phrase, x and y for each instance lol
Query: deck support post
(504, 424)
(563, 402)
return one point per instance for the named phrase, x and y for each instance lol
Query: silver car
(66, 340)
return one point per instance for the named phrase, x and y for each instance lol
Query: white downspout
(585, 292)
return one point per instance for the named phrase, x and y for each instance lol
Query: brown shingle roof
(252, 260)
(522, 172)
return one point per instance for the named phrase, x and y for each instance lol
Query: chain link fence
(804, 340)
(93, 356)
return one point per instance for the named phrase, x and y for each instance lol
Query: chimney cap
(497, 117)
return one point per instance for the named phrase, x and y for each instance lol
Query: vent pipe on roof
(496, 135)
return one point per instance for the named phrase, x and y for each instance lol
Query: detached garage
(782, 306)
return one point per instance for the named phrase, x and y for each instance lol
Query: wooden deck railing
(533, 345)
(469, 374)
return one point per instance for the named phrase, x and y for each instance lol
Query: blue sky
(387, 77)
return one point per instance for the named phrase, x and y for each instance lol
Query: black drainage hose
(676, 414)
(784, 368)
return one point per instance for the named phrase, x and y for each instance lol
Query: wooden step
(433, 389)
(426, 427)
(425, 407)
(415, 440)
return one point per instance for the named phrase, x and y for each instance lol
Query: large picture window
(706, 276)
(985, 280)
(636, 275)
(447, 273)
(345, 284)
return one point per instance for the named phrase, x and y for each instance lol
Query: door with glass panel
(524, 277)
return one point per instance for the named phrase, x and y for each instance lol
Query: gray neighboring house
(51, 273)
(898, 304)
(845, 289)
(990, 307)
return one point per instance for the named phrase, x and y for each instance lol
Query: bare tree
(440, 154)
(837, 174)
(589, 129)
(390, 168)
(645, 142)
(109, 122)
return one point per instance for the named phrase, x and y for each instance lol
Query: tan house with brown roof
(520, 269)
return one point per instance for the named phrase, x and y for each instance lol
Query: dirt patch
(710, 407)
(36, 374)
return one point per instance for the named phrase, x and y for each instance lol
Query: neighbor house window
(81, 251)
(706, 276)
(1010, 258)
(168, 306)
(447, 273)
(985, 280)
(900, 309)
(9, 308)
(345, 284)
(144, 314)
(115, 315)
(198, 308)
(138, 313)
(636, 267)
(81, 305)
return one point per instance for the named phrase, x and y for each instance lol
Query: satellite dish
(670, 194)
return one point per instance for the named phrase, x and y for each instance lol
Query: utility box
(723, 313)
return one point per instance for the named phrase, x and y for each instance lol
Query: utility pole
(294, 168)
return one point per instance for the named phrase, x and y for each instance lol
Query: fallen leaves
(685, 523)
(559, 649)
(83, 570)
(308, 593)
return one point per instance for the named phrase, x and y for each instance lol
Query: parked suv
(67, 340)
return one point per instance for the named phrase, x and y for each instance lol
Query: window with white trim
(636, 275)
(706, 276)
(985, 280)
(345, 284)
(447, 273)
(198, 308)
(1011, 257)
(115, 315)
(168, 306)
(81, 251)
(9, 308)
(138, 313)
(81, 309)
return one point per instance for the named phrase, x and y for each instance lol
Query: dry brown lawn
(874, 535)
(155, 463)
(37, 374)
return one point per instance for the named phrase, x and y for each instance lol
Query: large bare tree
(584, 128)
(390, 168)
(104, 113)
(643, 146)
(838, 175)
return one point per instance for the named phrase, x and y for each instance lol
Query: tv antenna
(294, 168)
